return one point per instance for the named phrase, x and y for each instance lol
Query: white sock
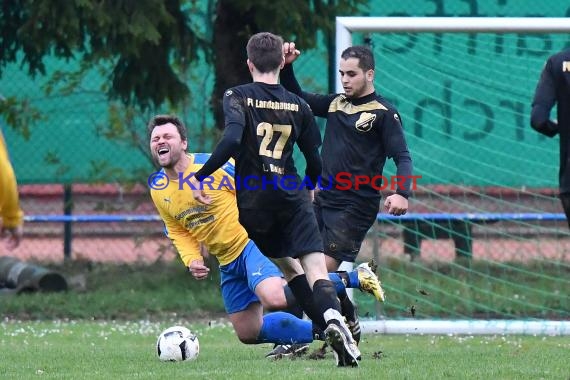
(332, 314)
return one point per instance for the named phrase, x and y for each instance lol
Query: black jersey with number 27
(273, 120)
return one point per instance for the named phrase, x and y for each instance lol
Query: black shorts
(291, 232)
(344, 228)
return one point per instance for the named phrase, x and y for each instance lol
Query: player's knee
(247, 323)
(272, 301)
(247, 335)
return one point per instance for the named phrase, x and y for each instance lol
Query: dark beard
(158, 165)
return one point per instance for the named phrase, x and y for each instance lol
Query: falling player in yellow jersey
(250, 282)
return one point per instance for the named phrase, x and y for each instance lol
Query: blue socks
(353, 281)
(339, 284)
(284, 328)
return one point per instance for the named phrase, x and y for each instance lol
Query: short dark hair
(265, 51)
(363, 54)
(165, 119)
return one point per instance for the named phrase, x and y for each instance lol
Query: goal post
(345, 26)
(475, 102)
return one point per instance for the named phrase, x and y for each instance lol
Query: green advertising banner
(464, 100)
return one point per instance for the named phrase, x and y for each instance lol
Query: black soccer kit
(360, 135)
(262, 124)
(554, 88)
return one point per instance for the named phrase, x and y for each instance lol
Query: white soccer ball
(177, 344)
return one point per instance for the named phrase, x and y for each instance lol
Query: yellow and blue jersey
(10, 213)
(189, 222)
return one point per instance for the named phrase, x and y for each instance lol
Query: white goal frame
(344, 28)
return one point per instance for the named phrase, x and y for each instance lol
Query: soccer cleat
(353, 324)
(287, 350)
(369, 282)
(345, 351)
(350, 313)
(373, 266)
(354, 327)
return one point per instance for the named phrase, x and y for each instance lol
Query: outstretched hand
(290, 52)
(198, 192)
(396, 204)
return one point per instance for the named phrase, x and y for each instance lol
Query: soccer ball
(176, 344)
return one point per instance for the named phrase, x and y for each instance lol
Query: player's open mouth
(163, 150)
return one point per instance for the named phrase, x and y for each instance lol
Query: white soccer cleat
(344, 348)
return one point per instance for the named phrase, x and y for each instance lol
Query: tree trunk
(232, 29)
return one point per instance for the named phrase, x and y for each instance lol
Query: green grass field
(126, 350)
(95, 331)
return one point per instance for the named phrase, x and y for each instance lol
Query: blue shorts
(240, 277)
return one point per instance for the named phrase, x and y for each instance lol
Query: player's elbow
(538, 118)
(233, 144)
(314, 164)
(540, 121)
